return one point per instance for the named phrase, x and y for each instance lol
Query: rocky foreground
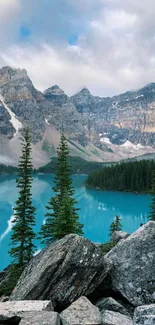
(71, 282)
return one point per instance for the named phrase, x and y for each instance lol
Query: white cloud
(114, 52)
(9, 227)
(8, 8)
(9, 11)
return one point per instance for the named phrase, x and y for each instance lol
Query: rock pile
(66, 277)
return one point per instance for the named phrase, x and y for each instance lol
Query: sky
(107, 46)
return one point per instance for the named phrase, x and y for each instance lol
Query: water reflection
(97, 209)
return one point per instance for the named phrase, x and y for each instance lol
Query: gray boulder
(133, 272)
(24, 306)
(145, 315)
(66, 270)
(110, 304)
(118, 235)
(113, 318)
(40, 318)
(81, 312)
(30, 318)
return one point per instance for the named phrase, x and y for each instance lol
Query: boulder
(81, 312)
(113, 318)
(40, 318)
(118, 235)
(110, 304)
(30, 318)
(133, 271)
(144, 315)
(63, 272)
(22, 306)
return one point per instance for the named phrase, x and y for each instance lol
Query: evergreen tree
(62, 217)
(115, 225)
(24, 219)
(125, 176)
(152, 212)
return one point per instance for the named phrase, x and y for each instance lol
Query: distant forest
(5, 170)
(126, 176)
(77, 166)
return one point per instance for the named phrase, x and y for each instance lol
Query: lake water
(97, 209)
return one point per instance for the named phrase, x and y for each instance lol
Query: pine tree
(115, 225)
(152, 212)
(24, 212)
(62, 217)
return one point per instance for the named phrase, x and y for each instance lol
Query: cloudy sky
(105, 45)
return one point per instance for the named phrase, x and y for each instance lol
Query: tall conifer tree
(24, 212)
(152, 212)
(62, 217)
(115, 225)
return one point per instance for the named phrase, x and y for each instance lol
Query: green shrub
(10, 280)
(107, 247)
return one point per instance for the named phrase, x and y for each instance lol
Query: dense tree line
(126, 176)
(77, 165)
(5, 170)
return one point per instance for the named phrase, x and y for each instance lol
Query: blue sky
(106, 45)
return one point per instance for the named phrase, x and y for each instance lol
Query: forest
(4, 170)
(77, 166)
(125, 176)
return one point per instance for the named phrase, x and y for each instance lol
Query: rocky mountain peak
(56, 95)
(54, 90)
(84, 92)
(148, 88)
(7, 75)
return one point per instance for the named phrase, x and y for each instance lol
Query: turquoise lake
(97, 209)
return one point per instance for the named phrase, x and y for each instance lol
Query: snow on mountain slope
(129, 145)
(105, 140)
(15, 122)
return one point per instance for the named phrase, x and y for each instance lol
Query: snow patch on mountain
(47, 122)
(139, 146)
(129, 145)
(15, 122)
(139, 96)
(105, 140)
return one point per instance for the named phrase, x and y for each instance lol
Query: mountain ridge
(96, 127)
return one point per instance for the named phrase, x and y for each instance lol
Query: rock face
(24, 100)
(144, 315)
(22, 306)
(41, 318)
(67, 269)
(133, 272)
(128, 116)
(81, 312)
(118, 235)
(63, 114)
(30, 318)
(110, 304)
(113, 318)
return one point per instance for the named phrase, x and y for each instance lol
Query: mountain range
(97, 128)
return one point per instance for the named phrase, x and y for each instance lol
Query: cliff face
(23, 99)
(129, 116)
(96, 127)
(64, 116)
